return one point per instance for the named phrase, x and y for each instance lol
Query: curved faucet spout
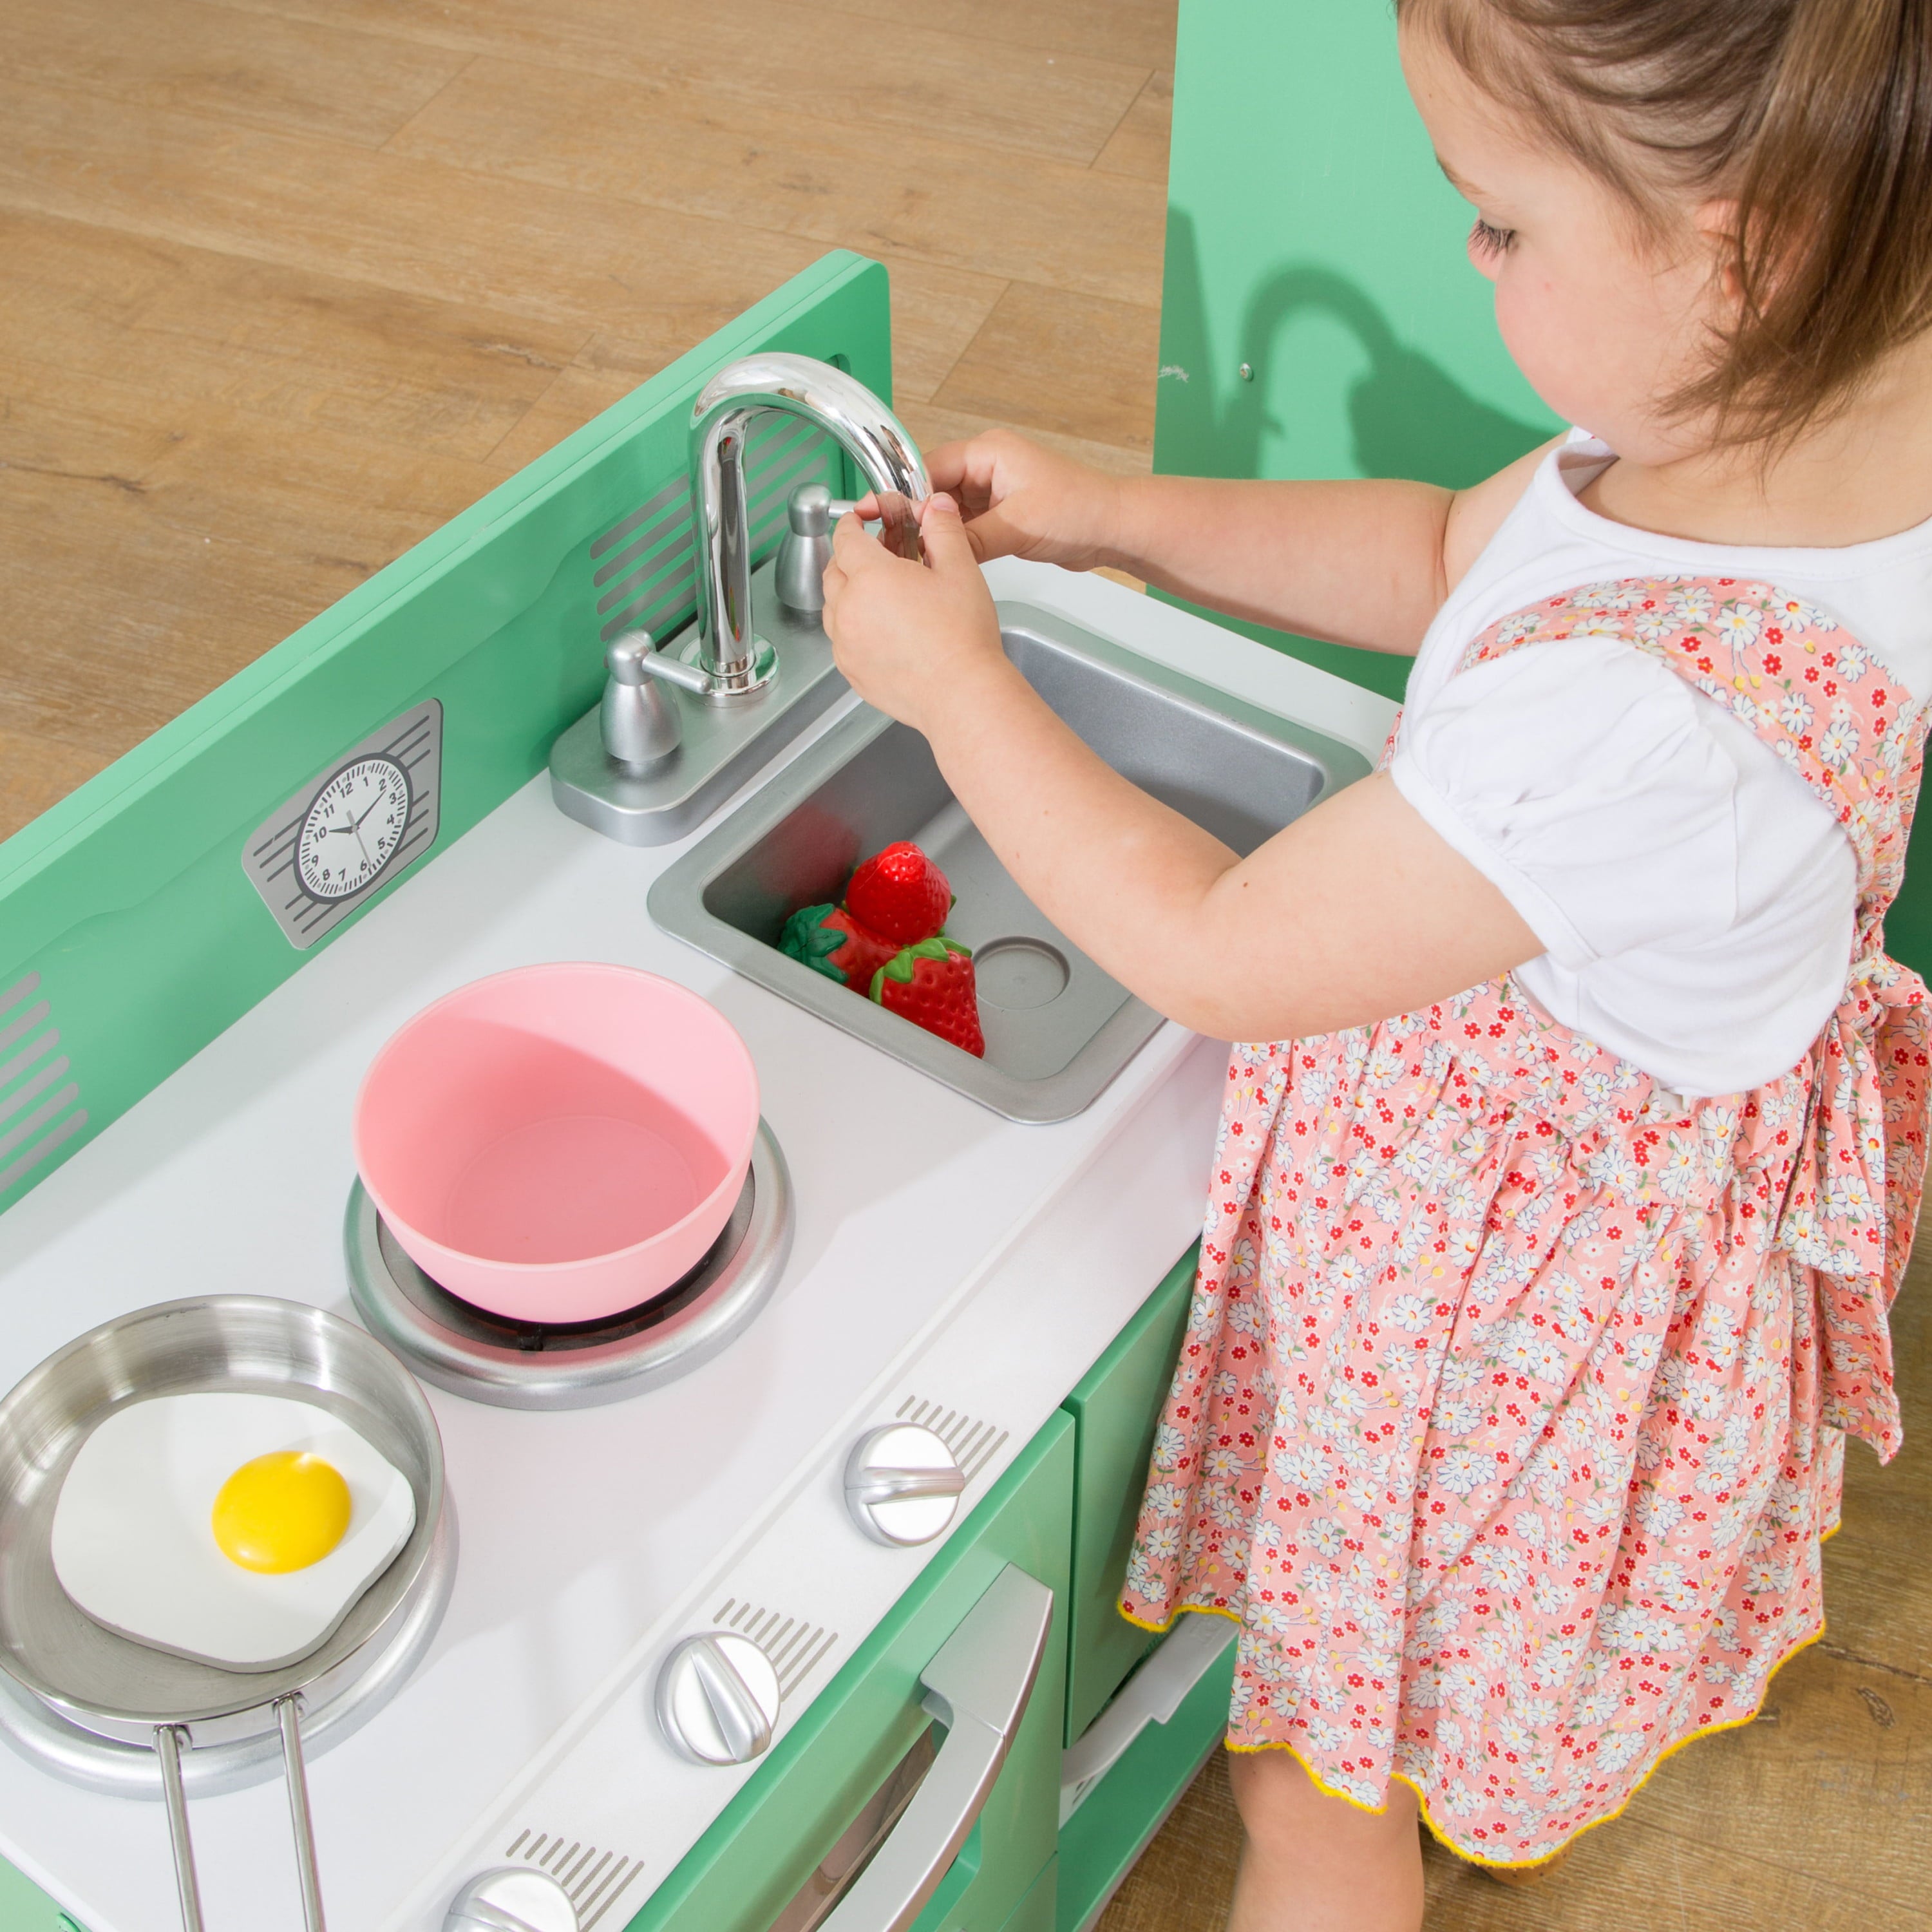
(730, 658)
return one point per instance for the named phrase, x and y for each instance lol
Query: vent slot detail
(595, 1879)
(796, 1647)
(40, 1101)
(974, 1444)
(642, 569)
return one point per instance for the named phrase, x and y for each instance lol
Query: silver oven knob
(718, 1698)
(902, 1484)
(512, 1898)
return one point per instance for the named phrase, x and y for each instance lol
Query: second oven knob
(718, 1698)
(902, 1484)
(512, 1898)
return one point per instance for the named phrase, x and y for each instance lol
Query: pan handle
(170, 1740)
(288, 1714)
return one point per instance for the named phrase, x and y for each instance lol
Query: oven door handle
(977, 1685)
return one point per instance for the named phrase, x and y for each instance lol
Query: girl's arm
(1356, 911)
(1364, 563)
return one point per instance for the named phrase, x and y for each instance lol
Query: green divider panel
(1100, 1843)
(1312, 237)
(1116, 1405)
(130, 936)
(25, 1907)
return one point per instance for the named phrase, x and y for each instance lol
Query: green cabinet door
(771, 1843)
(1116, 1407)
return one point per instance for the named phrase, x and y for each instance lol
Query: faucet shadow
(1408, 417)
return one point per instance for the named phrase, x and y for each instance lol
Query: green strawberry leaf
(809, 940)
(902, 966)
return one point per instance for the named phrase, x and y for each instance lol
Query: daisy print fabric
(1510, 1416)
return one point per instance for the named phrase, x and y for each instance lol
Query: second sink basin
(1058, 1028)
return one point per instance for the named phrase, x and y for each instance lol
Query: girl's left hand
(912, 638)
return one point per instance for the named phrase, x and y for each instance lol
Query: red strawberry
(831, 941)
(930, 984)
(901, 894)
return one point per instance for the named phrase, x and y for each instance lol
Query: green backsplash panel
(1311, 235)
(122, 953)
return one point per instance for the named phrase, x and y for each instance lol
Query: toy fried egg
(238, 1530)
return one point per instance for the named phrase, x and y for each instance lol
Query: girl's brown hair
(1815, 116)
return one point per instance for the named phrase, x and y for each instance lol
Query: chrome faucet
(684, 720)
(732, 662)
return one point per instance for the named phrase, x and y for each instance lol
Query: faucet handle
(806, 548)
(812, 510)
(639, 721)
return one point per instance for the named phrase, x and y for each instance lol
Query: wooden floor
(284, 284)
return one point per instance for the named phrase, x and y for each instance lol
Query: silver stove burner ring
(514, 1365)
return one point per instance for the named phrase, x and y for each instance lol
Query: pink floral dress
(1511, 1410)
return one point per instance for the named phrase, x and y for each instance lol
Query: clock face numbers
(353, 829)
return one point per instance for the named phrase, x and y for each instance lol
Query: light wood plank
(838, 67)
(1141, 31)
(311, 75)
(1071, 363)
(309, 350)
(945, 202)
(1138, 145)
(153, 552)
(419, 226)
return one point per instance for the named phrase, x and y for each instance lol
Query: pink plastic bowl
(559, 1143)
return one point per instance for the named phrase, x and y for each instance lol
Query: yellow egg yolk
(281, 1512)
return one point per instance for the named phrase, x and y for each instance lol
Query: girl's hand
(913, 638)
(1019, 499)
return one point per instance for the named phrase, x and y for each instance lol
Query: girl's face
(1604, 323)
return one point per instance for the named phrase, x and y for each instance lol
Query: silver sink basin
(1058, 1028)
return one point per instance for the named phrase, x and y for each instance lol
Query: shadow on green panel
(1407, 416)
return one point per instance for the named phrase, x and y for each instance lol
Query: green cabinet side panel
(1034, 1912)
(1311, 236)
(1102, 1839)
(763, 1846)
(122, 952)
(1117, 1406)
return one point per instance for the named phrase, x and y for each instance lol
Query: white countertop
(926, 1228)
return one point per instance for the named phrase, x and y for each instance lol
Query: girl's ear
(1716, 224)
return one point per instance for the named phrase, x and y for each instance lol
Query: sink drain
(1019, 973)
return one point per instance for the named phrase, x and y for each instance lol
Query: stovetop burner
(576, 1365)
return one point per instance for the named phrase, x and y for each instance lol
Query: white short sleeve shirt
(1696, 898)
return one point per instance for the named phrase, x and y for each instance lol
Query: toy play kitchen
(765, 1380)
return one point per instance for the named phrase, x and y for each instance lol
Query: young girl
(1551, 1239)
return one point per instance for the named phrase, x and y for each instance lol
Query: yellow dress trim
(1421, 1801)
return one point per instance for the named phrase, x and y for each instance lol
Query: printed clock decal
(353, 828)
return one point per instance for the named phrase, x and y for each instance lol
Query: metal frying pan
(115, 1688)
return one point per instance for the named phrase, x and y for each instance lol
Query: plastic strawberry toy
(901, 894)
(829, 941)
(931, 984)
